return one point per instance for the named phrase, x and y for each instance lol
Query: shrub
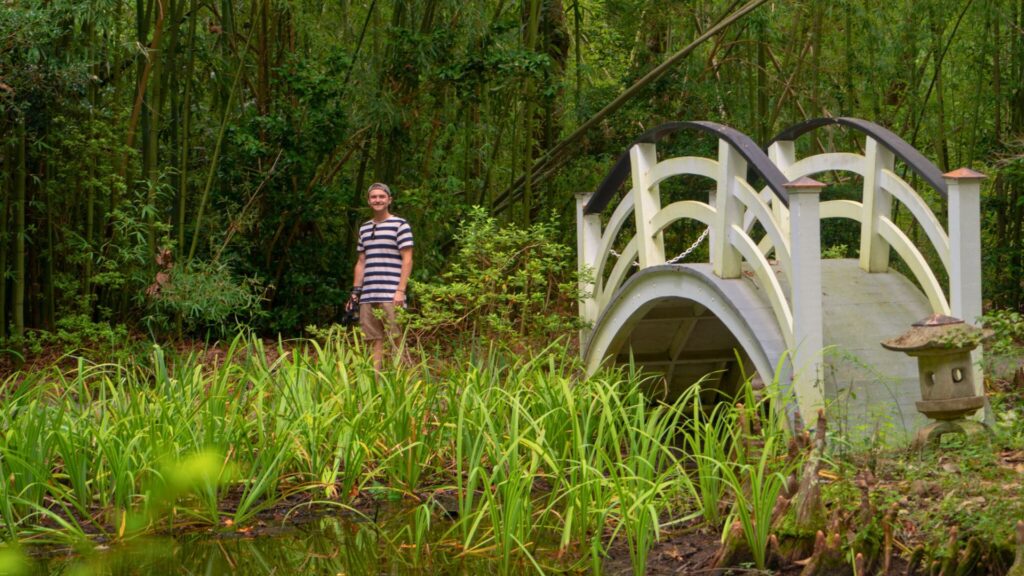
(208, 298)
(504, 282)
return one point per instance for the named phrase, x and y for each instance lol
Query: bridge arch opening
(684, 324)
(680, 342)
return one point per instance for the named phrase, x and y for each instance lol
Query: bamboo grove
(241, 134)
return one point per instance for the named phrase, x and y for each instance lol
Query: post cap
(964, 174)
(804, 184)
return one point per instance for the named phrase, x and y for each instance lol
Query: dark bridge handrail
(916, 161)
(751, 152)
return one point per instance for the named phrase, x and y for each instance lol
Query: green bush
(503, 282)
(1008, 332)
(208, 298)
(74, 333)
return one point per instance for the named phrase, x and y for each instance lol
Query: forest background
(241, 135)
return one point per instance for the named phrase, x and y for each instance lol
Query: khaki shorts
(373, 327)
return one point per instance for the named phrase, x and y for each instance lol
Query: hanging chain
(692, 247)
(678, 258)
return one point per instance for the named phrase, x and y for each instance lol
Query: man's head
(379, 197)
(379, 186)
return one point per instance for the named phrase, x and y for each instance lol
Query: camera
(351, 316)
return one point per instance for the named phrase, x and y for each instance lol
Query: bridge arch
(659, 311)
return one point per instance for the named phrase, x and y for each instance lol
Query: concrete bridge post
(588, 240)
(877, 204)
(964, 190)
(651, 247)
(808, 332)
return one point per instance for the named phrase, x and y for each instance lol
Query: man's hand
(353, 299)
(399, 298)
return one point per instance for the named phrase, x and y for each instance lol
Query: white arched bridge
(763, 300)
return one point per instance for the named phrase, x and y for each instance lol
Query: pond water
(331, 545)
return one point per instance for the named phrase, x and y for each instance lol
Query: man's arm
(357, 280)
(403, 280)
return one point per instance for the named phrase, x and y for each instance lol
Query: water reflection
(331, 545)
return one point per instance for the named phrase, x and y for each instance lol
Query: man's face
(379, 200)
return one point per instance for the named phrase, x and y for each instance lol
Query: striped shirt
(382, 242)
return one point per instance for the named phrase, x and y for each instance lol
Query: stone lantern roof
(939, 333)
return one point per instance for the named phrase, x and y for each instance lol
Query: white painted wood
(622, 267)
(805, 240)
(965, 251)
(693, 165)
(588, 239)
(769, 283)
(729, 212)
(766, 196)
(874, 252)
(783, 154)
(930, 225)
(914, 260)
(611, 233)
(965, 247)
(850, 209)
(647, 201)
(763, 215)
(827, 162)
(793, 233)
(684, 209)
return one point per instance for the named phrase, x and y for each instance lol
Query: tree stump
(828, 558)
(1018, 564)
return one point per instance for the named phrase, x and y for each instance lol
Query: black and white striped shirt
(382, 242)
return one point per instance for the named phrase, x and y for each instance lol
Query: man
(382, 270)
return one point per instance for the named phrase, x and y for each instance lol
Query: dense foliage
(504, 283)
(242, 134)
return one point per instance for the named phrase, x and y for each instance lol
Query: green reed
(706, 441)
(755, 487)
(540, 462)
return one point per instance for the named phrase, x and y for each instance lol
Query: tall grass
(543, 466)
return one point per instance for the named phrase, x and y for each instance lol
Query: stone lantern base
(931, 434)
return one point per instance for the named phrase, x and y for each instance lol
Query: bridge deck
(870, 387)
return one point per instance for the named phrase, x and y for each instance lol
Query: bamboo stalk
(216, 151)
(133, 120)
(185, 130)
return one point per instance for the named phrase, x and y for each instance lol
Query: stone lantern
(942, 346)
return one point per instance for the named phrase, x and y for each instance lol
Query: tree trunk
(997, 78)
(20, 178)
(7, 181)
(532, 27)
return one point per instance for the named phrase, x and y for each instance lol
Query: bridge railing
(956, 245)
(733, 202)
